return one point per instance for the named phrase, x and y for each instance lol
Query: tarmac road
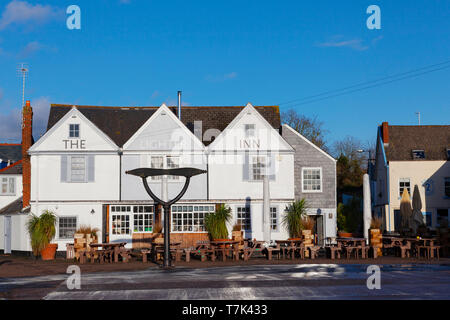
(321, 281)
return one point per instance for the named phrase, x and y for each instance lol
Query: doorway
(318, 229)
(7, 235)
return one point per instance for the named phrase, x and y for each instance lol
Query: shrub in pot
(42, 230)
(216, 223)
(292, 220)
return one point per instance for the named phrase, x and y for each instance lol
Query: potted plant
(216, 223)
(237, 233)
(307, 228)
(375, 234)
(42, 230)
(292, 220)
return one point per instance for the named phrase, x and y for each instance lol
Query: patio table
(226, 246)
(350, 244)
(116, 248)
(290, 245)
(159, 248)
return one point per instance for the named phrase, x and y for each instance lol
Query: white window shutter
(64, 169)
(91, 168)
(271, 166)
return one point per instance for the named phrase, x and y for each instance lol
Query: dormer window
(74, 130)
(249, 130)
(418, 154)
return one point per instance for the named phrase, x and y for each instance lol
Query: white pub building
(78, 171)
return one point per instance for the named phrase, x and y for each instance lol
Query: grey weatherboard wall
(307, 155)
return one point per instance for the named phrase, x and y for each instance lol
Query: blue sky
(139, 53)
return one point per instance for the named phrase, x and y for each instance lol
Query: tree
(311, 128)
(348, 173)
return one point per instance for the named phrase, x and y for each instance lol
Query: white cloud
(30, 48)
(24, 13)
(10, 123)
(356, 44)
(220, 78)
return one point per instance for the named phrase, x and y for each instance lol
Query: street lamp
(144, 173)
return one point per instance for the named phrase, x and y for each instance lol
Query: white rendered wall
(46, 182)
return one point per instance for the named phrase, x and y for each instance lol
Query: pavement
(274, 282)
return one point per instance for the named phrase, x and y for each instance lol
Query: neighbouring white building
(78, 171)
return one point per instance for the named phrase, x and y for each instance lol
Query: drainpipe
(120, 173)
(179, 105)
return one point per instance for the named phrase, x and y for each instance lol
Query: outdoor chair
(405, 249)
(314, 252)
(144, 254)
(364, 250)
(351, 249)
(251, 247)
(70, 251)
(203, 249)
(270, 251)
(299, 250)
(336, 250)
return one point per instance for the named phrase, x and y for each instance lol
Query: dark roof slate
(120, 123)
(434, 140)
(14, 207)
(11, 152)
(15, 168)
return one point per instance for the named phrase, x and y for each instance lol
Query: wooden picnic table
(290, 246)
(115, 247)
(226, 246)
(408, 243)
(351, 244)
(158, 247)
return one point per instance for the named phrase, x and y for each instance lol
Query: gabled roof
(434, 140)
(10, 151)
(15, 168)
(73, 111)
(120, 123)
(165, 122)
(14, 207)
(250, 110)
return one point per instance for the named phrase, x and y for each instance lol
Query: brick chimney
(27, 131)
(385, 131)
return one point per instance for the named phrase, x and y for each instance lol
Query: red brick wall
(27, 127)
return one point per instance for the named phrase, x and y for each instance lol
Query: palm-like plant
(292, 220)
(41, 230)
(216, 223)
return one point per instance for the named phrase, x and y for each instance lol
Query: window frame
(250, 130)
(303, 180)
(251, 166)
(70, 131)
(165, 157)
(447, 187)
(136, 212)
(414, 154)
(238, 220)
(399, 187)
(178, 221)
(10, 181)
(276, 219)
(59, 226)
(69, 169)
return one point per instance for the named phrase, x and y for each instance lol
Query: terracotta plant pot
(49, 252)
(343, 234)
